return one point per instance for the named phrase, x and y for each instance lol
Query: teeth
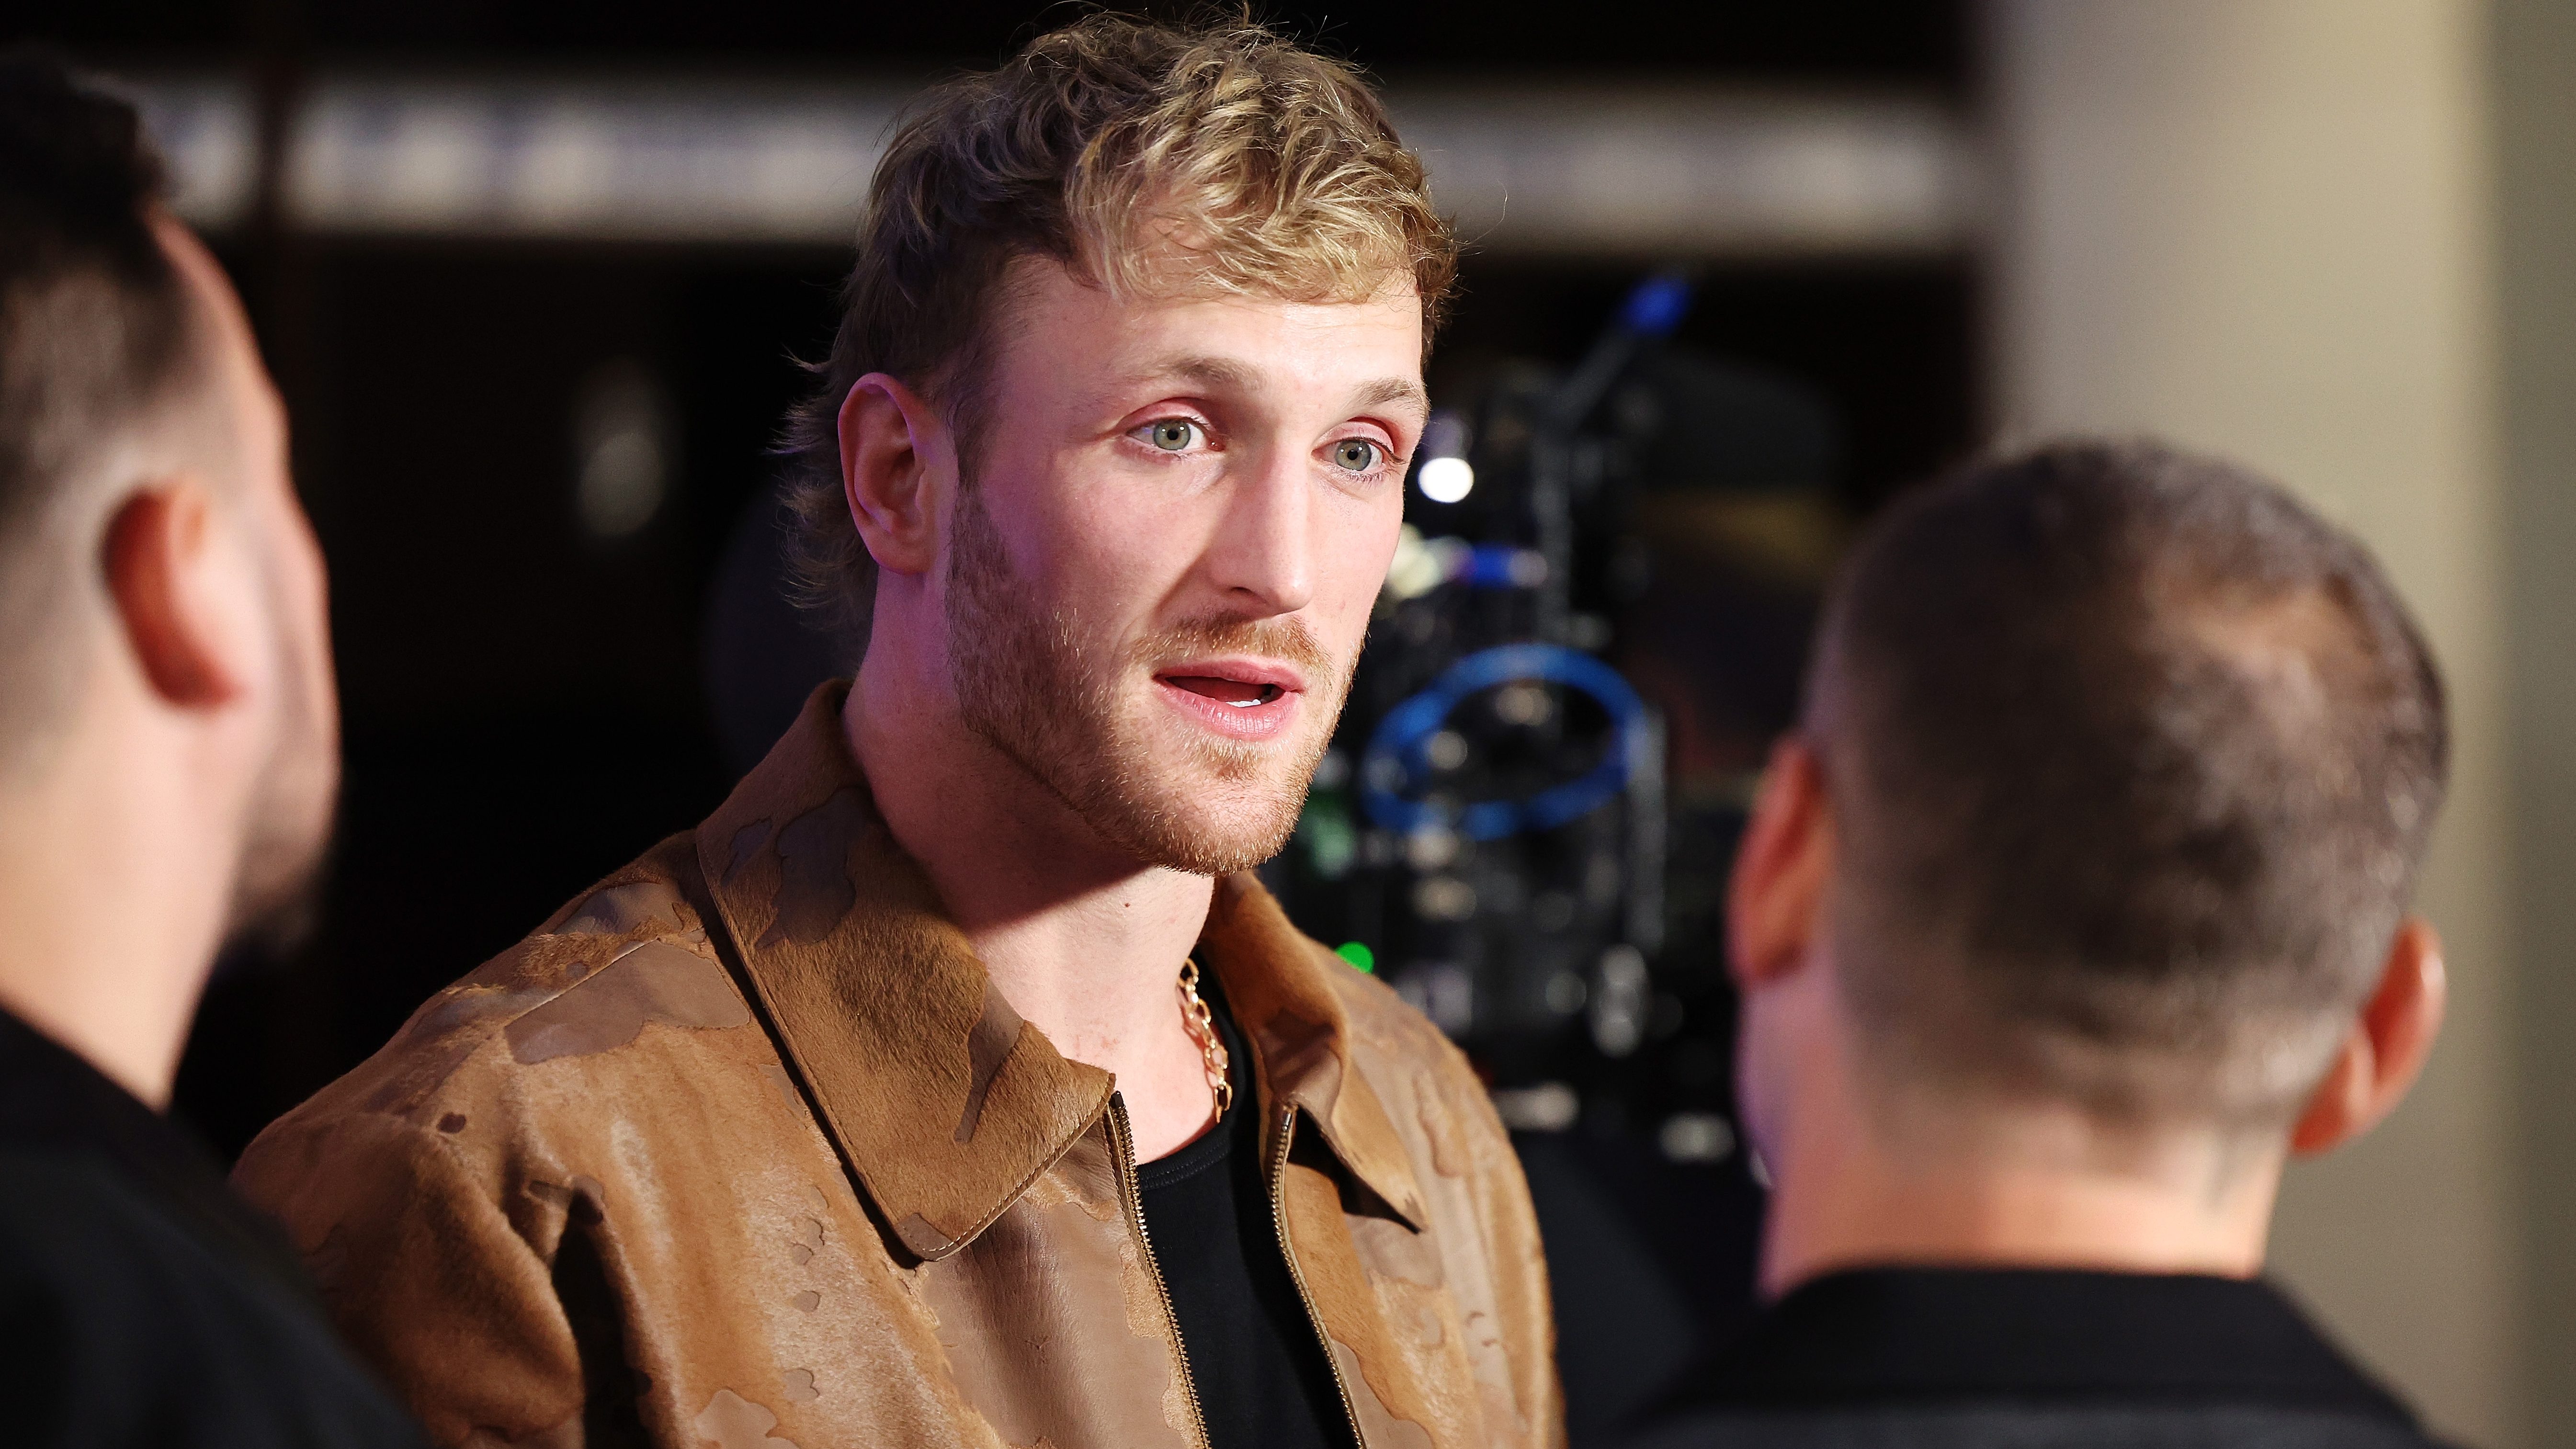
(1243, 695)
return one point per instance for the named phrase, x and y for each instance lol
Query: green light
(1357, 954)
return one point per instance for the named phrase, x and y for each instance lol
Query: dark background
(524, 706)
(1921, 43)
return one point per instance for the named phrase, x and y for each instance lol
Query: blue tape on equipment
(1401, 737)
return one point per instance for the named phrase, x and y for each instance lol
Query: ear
(162, 559)
(894, 449)
(2387, 1045)
(1777, 895)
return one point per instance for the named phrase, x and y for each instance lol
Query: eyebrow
(1394, 390)
(1213, 372)
(1219, 372)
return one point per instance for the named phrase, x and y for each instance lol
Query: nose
(1262, 556)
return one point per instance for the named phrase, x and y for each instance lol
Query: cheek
(1098, 553)
(1351, 567)
(1757, 1085)
(302, 578)
(312, 572)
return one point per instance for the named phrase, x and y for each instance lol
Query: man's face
(1160, 568)
(295, 793)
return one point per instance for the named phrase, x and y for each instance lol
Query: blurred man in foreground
(2074, 907)
(169, 757)
(955, 1083)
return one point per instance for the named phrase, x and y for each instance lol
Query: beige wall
(2261, 227)
(2533, 45)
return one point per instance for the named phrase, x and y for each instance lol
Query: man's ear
(1782, 868)
(893, 448)
(162, 561)
(2386, 1047)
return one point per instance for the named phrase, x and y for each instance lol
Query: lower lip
(1236, 721)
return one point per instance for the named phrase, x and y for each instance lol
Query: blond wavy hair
(1150, 159)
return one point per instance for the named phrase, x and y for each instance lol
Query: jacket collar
(944, 1103)
(1279, 983)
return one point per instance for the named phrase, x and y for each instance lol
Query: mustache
(1283, 639)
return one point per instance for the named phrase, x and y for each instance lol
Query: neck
(110, 907)
(1082, 939)
(1932, 1176)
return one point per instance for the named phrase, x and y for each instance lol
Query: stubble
(1032, 685)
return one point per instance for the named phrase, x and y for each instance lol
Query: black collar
(53, 1103)
(1914, 1335)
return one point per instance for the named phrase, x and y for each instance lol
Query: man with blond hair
(954, 1083)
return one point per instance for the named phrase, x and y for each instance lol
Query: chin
(1205, 821)
(1212, 856)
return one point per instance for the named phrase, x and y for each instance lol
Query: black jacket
(1921, 1358)
(141, 1303)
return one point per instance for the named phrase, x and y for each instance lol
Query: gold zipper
(1122, 1142)
(1296, 1275)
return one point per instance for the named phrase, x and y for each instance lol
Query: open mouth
(1238, 693)
(1245, 699)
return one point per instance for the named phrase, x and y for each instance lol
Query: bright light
(1416, 570)
(1446, 480)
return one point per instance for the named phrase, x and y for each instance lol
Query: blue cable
(1402, 737)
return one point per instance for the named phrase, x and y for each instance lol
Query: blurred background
(535, 279)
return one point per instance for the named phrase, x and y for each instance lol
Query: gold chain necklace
(1202, 1029)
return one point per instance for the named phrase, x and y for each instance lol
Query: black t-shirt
(141, 1303)
(1262, 1379)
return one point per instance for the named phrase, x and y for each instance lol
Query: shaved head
(127, 368)
(2133, 761)
(102, 362)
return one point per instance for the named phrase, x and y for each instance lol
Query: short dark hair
(1269, 166)
(95, 326)
(2133, 760)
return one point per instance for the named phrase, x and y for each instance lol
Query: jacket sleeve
(1526, 1316)
(436, 1266)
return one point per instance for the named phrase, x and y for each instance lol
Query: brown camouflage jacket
(743, 1149)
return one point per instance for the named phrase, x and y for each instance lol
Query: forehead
(1046, 309)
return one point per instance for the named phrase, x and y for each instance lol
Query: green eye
(1172, 434)
(1358, 455)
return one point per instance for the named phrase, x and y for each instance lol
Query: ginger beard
(1070, 713)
